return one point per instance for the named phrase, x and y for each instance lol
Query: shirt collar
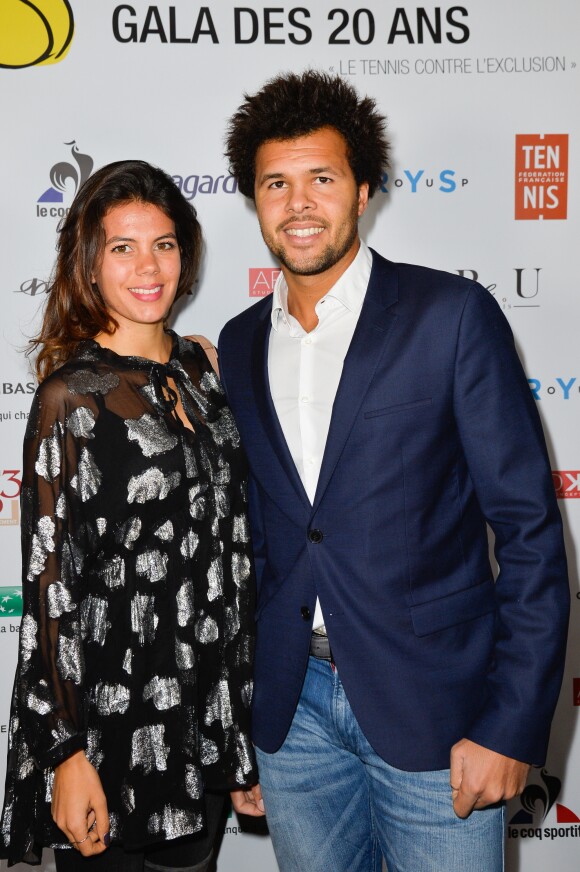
(349, 290)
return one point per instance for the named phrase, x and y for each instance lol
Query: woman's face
(139, 268)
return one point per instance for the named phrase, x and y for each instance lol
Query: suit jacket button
(305, 612)
(315, 536)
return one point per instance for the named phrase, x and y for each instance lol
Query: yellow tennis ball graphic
(34, 32)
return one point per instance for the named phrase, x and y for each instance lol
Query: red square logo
(566, 483)
(262, 281)
(541, 176)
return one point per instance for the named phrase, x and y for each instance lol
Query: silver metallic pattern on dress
(164, 692)
(152, 484)
(241, 529)
(215, 577)
(61, 509)
(148, 748)
(101, 526)
(28, 631)
(61, 731)
(25, 765)
(113, 571)
(184, 656)
(231, 622)
(224, 429)
(88, 479)
(222, 502)
(191, 470)
(112, 699)
(114, 825)
(128, 533)
(153, 564)
(93, 749)
(38, 700)
(185, 600)
(208, 751)
(151, 434)
(86, 382)
(241, 569)
(49, 457)
(174, 822)
(6, 826)
(197, 501)
(223, 476)
(128, 797)
(206, 630)
(165, 532)
(210, 382)
(42, 544)
(189, 544)
(70, 659)
(247, 691)
(94, 623)
(128, 661)
(193, 781)
(59, 599)
(218, 705)
(143, 617)
(81, 423)
(244, 751)
(49, 785)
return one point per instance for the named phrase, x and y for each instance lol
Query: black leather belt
(320, 647)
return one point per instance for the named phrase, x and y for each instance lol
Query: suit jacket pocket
(456, 608)
(400, 407)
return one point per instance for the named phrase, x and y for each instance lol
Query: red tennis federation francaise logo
(541, 176)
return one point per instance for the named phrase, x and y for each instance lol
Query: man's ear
(363, 197)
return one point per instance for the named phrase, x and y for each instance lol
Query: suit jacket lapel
(366, 349)
(282, 461)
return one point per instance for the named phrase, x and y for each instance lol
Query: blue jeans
(333, 804)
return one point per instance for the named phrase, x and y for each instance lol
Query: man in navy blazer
(401, 690)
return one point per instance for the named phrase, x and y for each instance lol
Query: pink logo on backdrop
(262, 281)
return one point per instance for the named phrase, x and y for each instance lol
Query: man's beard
(327, 258)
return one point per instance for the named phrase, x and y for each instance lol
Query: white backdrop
(482, 101)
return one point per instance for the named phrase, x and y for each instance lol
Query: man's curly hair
(292, 105)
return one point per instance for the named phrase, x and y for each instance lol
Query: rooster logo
(536, 802)
(34, 32)
(63, 173)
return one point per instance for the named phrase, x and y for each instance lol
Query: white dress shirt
(304, 369)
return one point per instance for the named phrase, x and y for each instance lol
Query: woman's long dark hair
(75, 309)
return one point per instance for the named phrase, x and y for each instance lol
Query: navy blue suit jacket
(434, 432)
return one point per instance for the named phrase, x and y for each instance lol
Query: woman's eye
(166, 245)
(122, 248)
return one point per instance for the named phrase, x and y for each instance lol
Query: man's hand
(79, 806)
(481, 777)
(248, 801)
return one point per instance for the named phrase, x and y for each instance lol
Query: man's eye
(278, 184)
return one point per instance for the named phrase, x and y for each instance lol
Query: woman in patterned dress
(130, 712)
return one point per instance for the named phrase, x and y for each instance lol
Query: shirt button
(305, 612)
(315, 536)
(307, 341)
(304, 399)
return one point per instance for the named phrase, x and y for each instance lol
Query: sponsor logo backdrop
(482, 107)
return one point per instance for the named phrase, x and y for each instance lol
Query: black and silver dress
(136, 639)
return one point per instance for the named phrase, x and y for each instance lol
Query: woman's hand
(248, 801)
(79, 805)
